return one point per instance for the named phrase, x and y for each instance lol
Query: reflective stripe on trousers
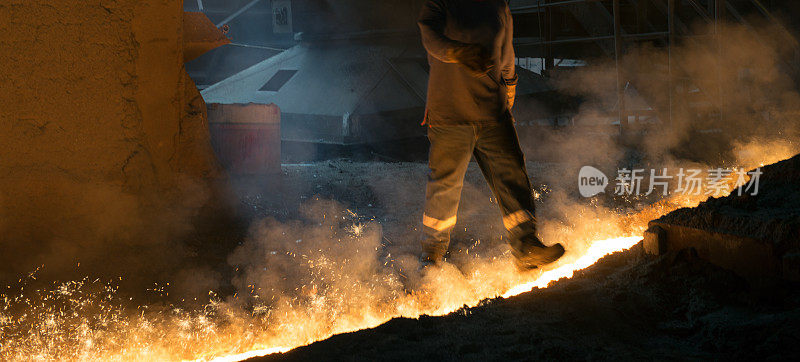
(438, 225)
(513, 220)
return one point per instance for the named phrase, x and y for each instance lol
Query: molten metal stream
(596, 251)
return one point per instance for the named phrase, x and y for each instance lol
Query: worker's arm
(432, 22)
(508, 59)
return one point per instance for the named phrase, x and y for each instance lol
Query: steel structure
(552, 30)
(585, 29)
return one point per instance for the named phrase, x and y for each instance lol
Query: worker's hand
(475, 58)
(511, 90)
(512, 94)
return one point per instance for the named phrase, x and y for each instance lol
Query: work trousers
(497, 151)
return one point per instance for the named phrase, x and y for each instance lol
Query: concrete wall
(105, 158)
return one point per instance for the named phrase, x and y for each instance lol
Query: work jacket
(456, 95)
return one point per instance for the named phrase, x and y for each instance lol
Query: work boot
(535, 254)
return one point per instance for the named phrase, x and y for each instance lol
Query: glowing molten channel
(597, 250)
(250, 354)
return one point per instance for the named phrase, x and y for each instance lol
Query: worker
(471, 92)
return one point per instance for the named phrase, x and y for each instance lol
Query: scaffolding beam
(623, 119)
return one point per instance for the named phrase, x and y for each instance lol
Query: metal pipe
(763, 10)
(623, 120)
(541, 36)
(656, 34)
(719, 13)
(699, 10)
(257, 47)
(405, 81)
(548, 36)
(671, 81)
(547, 5)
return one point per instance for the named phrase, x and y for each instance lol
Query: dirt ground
(389, 193)
(627, 306)
(772, 215)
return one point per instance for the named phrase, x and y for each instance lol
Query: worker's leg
(502, 162)
(450, 153)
